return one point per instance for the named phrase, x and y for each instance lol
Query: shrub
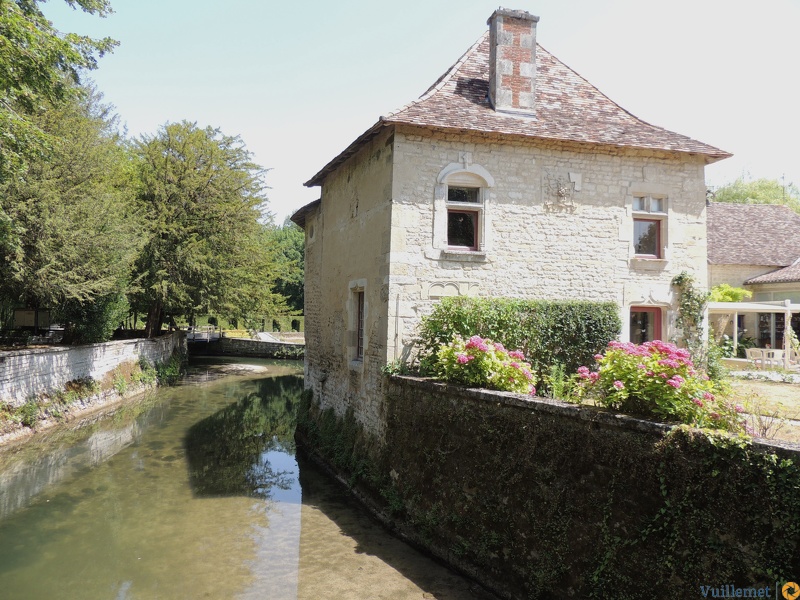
(170, 371)
(480, 362)
(146, 374)
(547, 332)
(120, 383)
(28, 413)
(657, 379)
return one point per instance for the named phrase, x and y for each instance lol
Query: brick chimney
(512, 60)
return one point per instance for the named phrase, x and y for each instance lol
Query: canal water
(195, 491)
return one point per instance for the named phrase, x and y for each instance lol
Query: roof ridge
(442, 81)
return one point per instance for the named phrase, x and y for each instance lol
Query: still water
(195, 491)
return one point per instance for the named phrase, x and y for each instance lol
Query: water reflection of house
(757, 247)
(511, 176)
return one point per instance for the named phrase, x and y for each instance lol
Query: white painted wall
(27, 373)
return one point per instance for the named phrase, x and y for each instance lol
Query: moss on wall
(544, 500)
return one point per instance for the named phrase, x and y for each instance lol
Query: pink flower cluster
(477, 342)
(676, 381)
(584, 373)
(676, 356)
(464, 358)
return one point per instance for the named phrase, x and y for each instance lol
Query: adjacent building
(756, 247)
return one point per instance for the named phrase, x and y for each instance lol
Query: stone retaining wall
(27, 373)
(537, 498)
(245, 347)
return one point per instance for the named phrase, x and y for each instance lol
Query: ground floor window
(357, 307)
(645, 324)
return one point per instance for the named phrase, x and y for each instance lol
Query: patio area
(784, 356)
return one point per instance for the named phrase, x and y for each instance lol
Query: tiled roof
(788, 274)
(752, 234)
(568, 108)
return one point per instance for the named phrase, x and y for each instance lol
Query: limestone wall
(26, 373)
(556, 223)
(735, 275)
(535, 242)
(347, 246)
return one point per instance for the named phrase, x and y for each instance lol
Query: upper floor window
(463, 217)
(649, 226)
(460, 216)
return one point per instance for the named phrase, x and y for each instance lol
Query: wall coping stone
(57, 349)
(599, 415)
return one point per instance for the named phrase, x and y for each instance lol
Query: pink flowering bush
(657, 379)
(479, 362)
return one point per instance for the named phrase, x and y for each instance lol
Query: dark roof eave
(711, 157)
(346, 153)
(355, 146)
(299, 217)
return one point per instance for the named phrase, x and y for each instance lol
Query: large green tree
(204, 203)
(39, 68)
(759, 191)
(290, 241)
(71, 233)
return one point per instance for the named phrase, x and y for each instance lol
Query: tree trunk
(153, 325)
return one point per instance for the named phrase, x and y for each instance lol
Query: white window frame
(357, 287)
(644, 208)
(458, 175)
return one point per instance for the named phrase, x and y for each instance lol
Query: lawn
(775, 406)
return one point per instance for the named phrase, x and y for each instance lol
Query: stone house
(511, 176)
(757, 247)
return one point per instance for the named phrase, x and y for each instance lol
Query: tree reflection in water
(227, 453)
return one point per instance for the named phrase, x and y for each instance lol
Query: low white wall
(26, 373)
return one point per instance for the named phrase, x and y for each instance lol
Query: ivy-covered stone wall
(540, 499)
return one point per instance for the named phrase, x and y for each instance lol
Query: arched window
(460, 211)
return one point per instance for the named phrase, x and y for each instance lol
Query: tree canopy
(39, 67)
(203, 200)
(71, 234)
(759, 191)
(92, 225)
(290, 241)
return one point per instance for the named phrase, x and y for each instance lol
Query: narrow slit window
(360, 325)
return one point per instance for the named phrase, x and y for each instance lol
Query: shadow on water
(234, 451)
(228, 453)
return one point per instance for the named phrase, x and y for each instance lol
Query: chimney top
(514, 14)
(512, 61)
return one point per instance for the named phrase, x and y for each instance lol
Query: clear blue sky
(299, 81)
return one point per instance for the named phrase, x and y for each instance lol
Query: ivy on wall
(545, 500)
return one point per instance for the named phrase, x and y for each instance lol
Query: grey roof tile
(752, 234)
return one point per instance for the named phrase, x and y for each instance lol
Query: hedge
(569, 332)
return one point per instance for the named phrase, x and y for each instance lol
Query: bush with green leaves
(568, 332)
(658, 380)
(479, 362)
